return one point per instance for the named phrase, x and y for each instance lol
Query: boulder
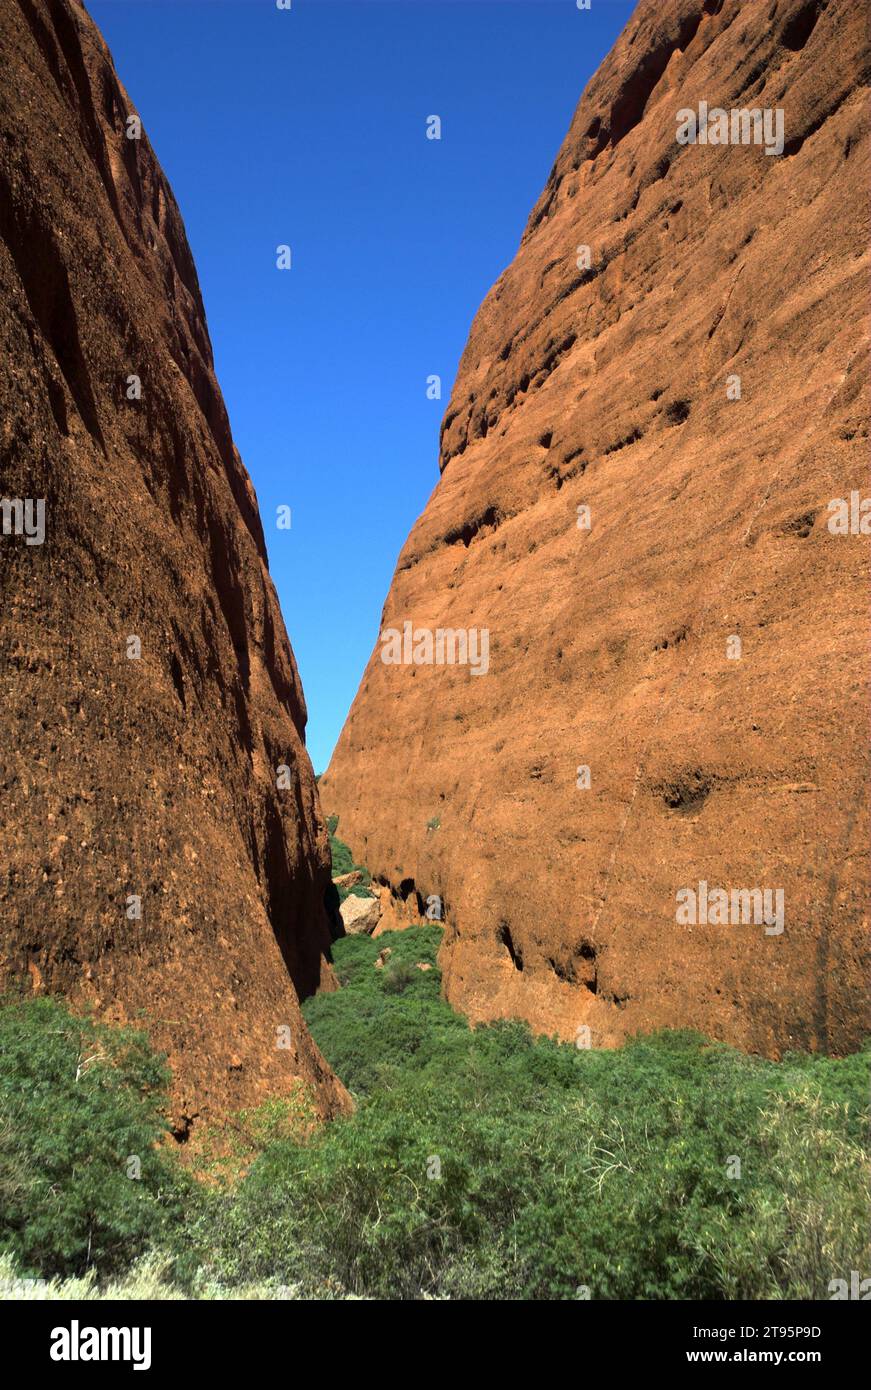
(360, 915)
(349, 880)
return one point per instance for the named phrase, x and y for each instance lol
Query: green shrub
(480, 1162)
(398, 978)
(483, 1163)
(80, 1107)
(371, 1037)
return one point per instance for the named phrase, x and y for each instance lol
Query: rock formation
(157, 864)
(662, 400)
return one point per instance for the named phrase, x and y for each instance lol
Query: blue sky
(308, 128)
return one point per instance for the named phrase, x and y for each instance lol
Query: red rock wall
(153, 777)
(607, 388)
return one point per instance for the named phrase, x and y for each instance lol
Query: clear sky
(307, 128)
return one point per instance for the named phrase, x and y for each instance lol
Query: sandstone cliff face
(613, 647)
(151, 778)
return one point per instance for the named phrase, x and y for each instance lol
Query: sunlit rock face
(662, 402)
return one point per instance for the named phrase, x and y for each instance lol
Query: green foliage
(480, 1162)
(372, 1036)
(397, 978)
(221, 1152)
(343, 863)
(485, 1163)
(79, 1105)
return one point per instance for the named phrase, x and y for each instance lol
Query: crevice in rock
(800, 25)
(629, 106)
(408, 889)
(485, 523)
(43, 276)
(175, 672)
(623, 443)
(794, 144)
(503, 934)
(78, 96)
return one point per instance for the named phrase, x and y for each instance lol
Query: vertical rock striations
(699, 383)
(138, 783)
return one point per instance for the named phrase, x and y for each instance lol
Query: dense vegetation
(82, 1179)
(479, 1162)
(343, 863)
(559, 1170)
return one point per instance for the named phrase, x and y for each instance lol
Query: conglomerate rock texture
(151, 778)
(713, 270)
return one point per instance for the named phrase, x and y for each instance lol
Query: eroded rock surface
(612, 648)
(151, 779)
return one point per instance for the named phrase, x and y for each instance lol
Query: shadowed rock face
(612, 647)
(152, 778)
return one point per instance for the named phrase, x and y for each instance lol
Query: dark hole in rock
(504, 935)
(799, 27)
(177, 678)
